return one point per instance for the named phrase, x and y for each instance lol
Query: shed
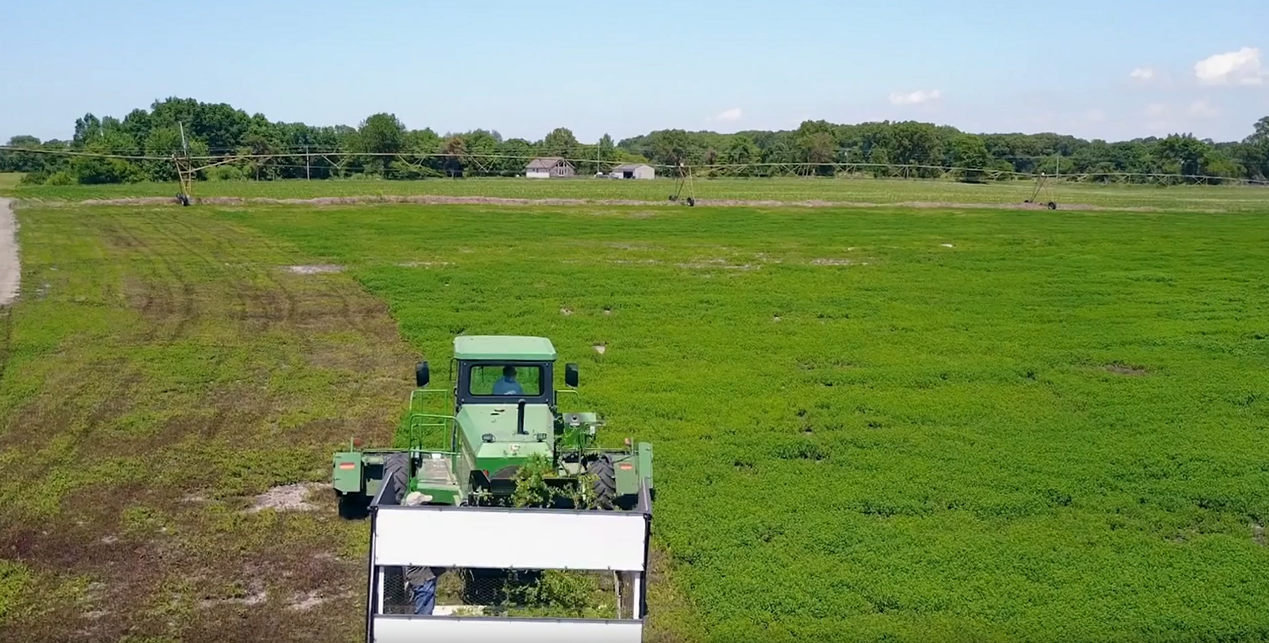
(634, 171)
(547, 167)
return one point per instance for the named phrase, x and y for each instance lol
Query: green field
(9, 180)
(859, 191)
(871, 424)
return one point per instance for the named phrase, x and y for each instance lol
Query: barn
(634, 171)
(548, 167)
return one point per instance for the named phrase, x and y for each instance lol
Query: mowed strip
(170, 392)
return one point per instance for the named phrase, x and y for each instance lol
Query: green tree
(969, 153)
(560, 142)
(670, 147)
(15, 161)
(381, 134)
(1186, 152)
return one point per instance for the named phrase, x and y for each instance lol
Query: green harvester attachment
(505, 416)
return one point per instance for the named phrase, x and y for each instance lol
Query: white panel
(455, 537)
(471, 630)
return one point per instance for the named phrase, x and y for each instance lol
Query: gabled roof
(508, 347)
(545, 163)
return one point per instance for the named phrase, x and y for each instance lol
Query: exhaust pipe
(520, 418)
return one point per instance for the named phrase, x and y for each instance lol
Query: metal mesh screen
(507, 593)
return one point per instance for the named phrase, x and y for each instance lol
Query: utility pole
(307, 175)
(184, 169)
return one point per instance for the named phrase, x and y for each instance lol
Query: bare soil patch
(1127, 369)
(291, 497)
(319, 269)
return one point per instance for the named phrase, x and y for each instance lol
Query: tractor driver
(508, 384)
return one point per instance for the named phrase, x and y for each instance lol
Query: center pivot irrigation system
(1042, 185)
(455, 508)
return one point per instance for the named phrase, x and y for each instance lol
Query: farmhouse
(634, 171)
(547, 167)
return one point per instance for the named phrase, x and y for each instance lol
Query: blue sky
(1111, 69)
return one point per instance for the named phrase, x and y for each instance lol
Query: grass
(157, 374)
(871, 424)
(9, 180)
(888, 425)
(862, 190)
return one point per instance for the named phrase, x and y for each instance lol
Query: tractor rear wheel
(603, 481)
(397, 469)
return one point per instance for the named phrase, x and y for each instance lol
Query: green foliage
(381, 134)
(62, 177)
(568, 592)
(13, 581)
(970, 152)
(225, 173)
(531, 488)
(582, 492)
(222, 132)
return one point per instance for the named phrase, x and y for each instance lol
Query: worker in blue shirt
(422, 580)
(508, 384)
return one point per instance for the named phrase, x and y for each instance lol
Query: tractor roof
(508, 347)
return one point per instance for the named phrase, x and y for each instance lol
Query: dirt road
(10, 274)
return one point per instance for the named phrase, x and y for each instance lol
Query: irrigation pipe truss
(709, 170)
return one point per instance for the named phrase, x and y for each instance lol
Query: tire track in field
(240, 286)
(123, 241)
(223, 249)
(280, 254)
(182, 305)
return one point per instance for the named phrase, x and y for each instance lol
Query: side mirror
(422, 375)
(570, 375)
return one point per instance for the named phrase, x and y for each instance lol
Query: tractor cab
(503, 414)
(504, 405)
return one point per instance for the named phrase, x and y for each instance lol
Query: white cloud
(1202, 109)
(915, 98)
(1157, 109)
(1142, 74)
(1240, 67)
(729, 115)
(1094, 116)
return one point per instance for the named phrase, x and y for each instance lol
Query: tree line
(239, 146)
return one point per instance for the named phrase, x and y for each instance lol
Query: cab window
(505, 379)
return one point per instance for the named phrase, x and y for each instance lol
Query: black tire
(1052, 205)
(604, 483)
(691, 202)
(397, 469)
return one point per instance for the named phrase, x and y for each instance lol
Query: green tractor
(505, 416)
